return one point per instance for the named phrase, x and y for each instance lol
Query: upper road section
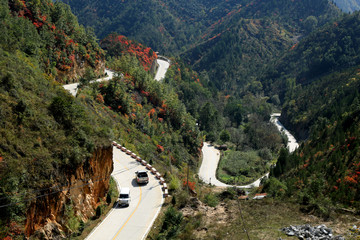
(72, 88)
(163, 67)
(292, 144)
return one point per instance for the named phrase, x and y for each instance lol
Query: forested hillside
(165, 26)
(50, 33)
(117, 45)
(238, 47)
(47, 137)
(52, 143)
(230, 40)
(318, 82)
(316, 64)
(151, 107)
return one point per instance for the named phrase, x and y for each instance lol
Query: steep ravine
(85, 186)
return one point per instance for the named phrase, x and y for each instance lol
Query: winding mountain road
(292, 144)
(210, 161)
(211, 158)
(134, 221)
(160, 74)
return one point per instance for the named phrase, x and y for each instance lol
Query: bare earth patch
(263, 219)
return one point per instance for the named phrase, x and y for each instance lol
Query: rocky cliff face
(85, 187)
(75, 73)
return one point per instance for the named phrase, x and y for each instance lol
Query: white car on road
(124, 197)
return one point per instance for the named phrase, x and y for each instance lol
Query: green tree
(281, 163)
(275, 187)
(208, 117)
(225, 136)
(310, 23)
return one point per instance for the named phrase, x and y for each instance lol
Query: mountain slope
(319, 82)
(47, 136)
(348, 5)
(55, 153)
(50, 33)
(231, 40)
(237, 48)
(165, 26)
(331, 50)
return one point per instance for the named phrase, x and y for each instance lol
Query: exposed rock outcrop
(85, 187)
(75, 73)
(309, 232)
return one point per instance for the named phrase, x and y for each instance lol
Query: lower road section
(210, 161)
(211, 157)
(134, 221)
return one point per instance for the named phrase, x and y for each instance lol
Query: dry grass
(263, 220)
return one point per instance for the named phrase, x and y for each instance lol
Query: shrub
(174, 183)
(265, 154)
(274, 187)
(72, 222)
(182, 199)
(81, 227)
(229, 193)
(171, 224)
(224, 136)
(108, 198)
(211, 200)
(211, 137)
(98, 211)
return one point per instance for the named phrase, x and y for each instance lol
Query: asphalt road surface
(72, 88)
(134, 221)
(292, 144)
(211, 157)
(210, 161)
(163, 67)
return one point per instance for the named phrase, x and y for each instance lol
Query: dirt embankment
(85, 187)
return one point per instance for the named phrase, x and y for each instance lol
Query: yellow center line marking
(131, 213)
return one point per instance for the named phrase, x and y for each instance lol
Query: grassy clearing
(241, 168)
